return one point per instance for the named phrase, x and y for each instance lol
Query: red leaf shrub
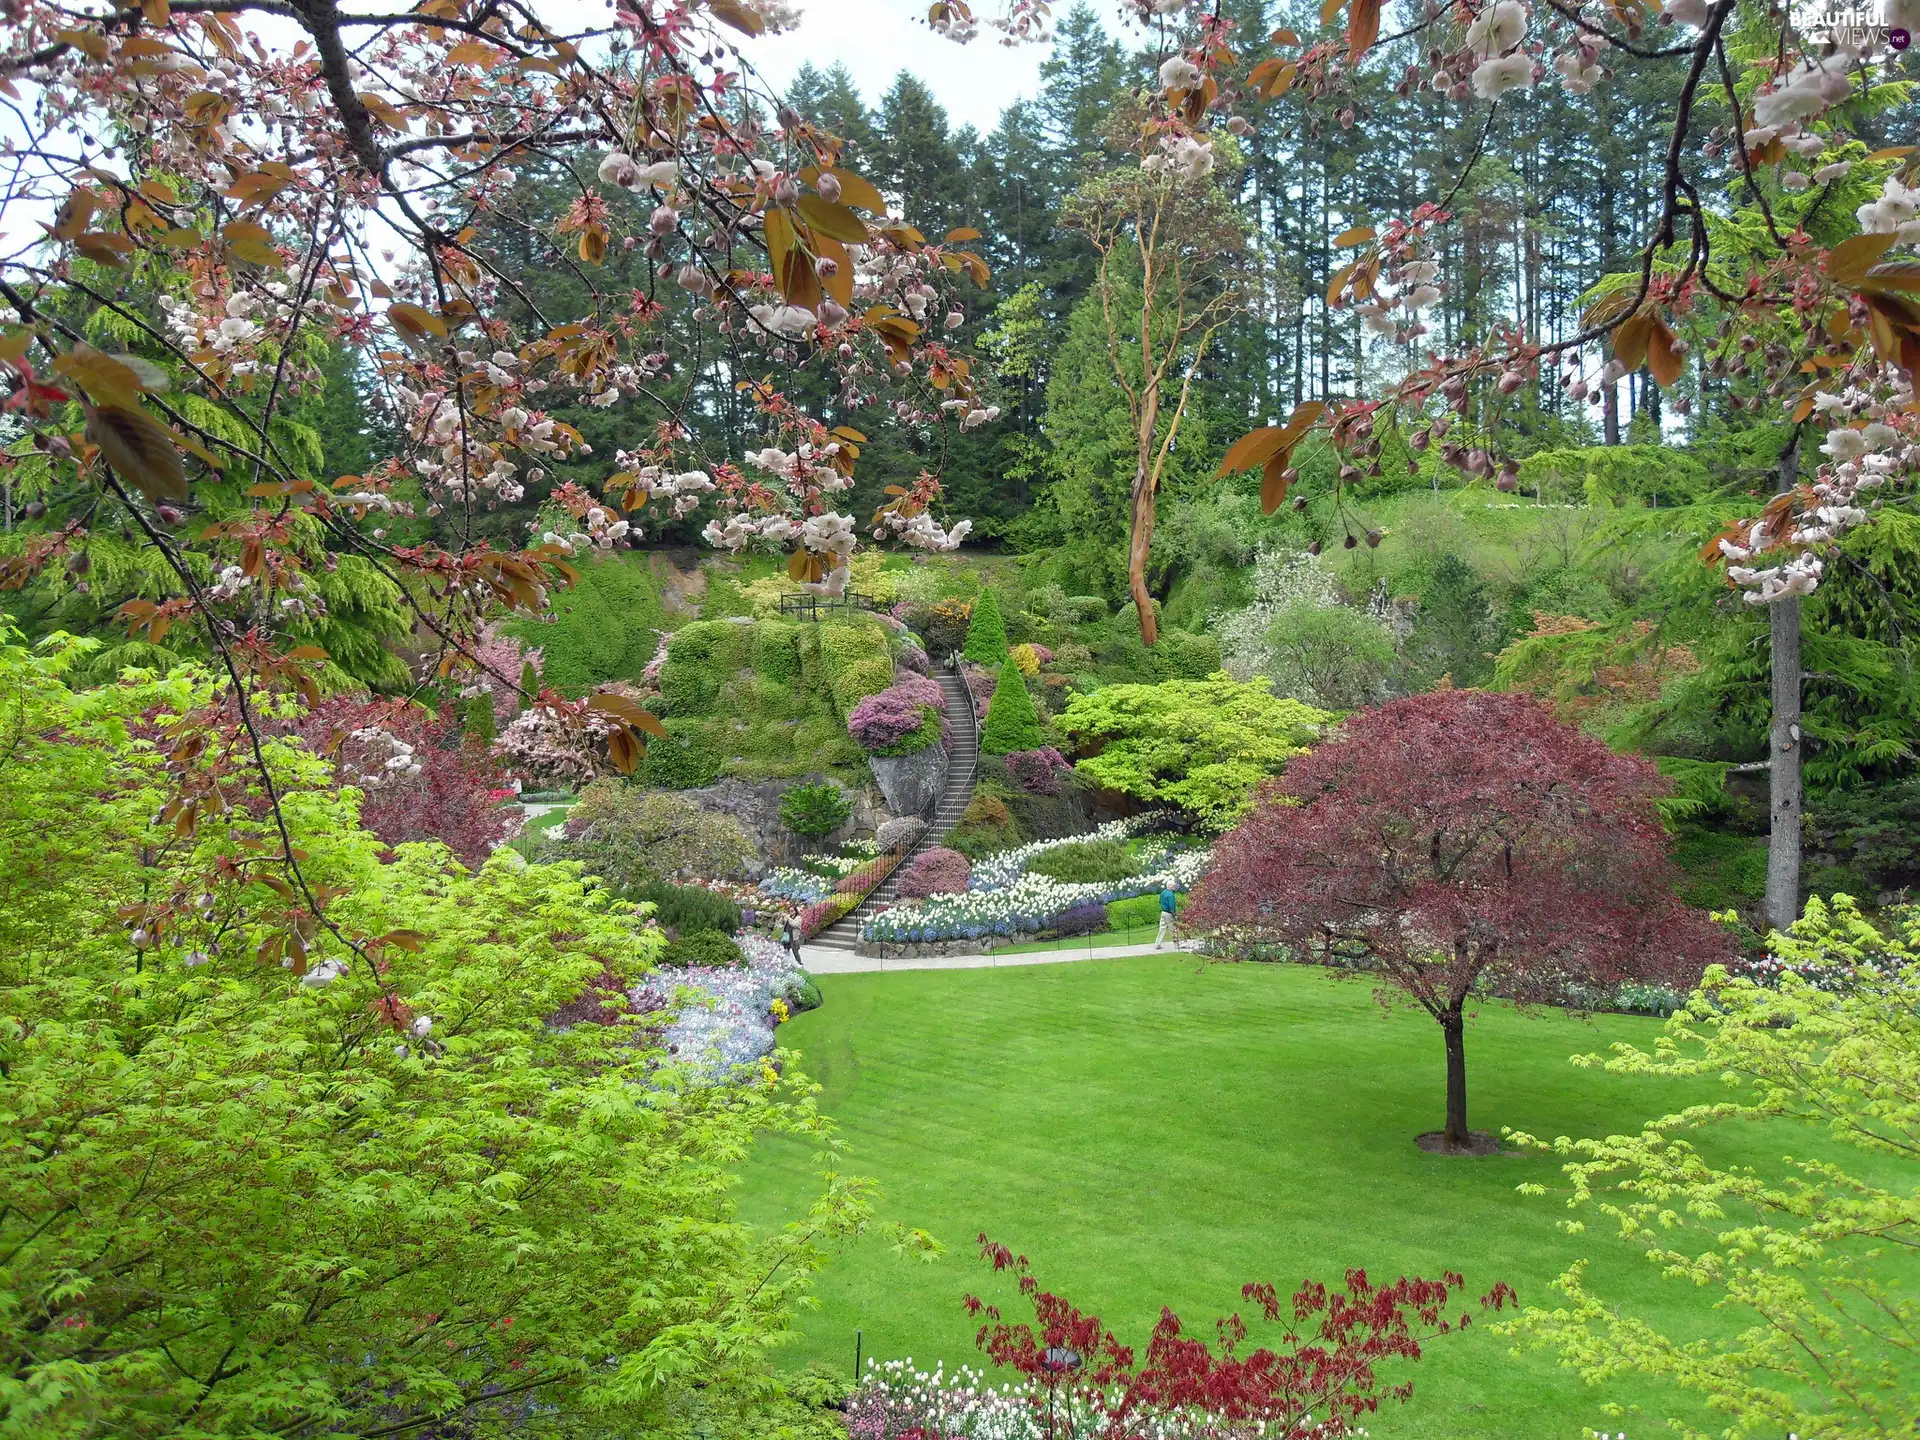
(1038, 772)
(417, 780)
(938, 871)
(1315, 1384)
(1456, 842)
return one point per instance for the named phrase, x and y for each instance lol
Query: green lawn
(1158, 1130)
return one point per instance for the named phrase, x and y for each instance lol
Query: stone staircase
(844, 933)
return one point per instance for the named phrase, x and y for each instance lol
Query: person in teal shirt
(1169, 902)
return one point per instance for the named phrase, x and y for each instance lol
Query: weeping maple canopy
(1461, 835)
(1461, 841)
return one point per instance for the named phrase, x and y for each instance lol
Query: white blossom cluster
(1494, 37)
(1408, 288)
(680, 490)
(603, 529)
(234, 329)
(1896, 212)
(1863, 455)
(1186, 157)
(922, 531)
(621, 169)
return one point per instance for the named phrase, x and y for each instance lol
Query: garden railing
(809, 606)
(851, 890)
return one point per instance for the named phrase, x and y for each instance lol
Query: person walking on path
(1168, 903)
(790, 937)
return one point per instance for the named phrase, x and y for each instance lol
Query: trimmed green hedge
(1085, 862)
(604, 627)
(685, 760)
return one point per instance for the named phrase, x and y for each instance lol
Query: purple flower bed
(938, 871)
(914, 659)
(1087, 918)
(897, 721)
(1038, 772)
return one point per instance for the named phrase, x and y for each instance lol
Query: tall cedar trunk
(1453, 1026)
(1783, 739)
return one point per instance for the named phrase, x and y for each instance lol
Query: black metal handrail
(810, 606)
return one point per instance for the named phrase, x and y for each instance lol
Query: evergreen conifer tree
(986, 632)
(1012, 723)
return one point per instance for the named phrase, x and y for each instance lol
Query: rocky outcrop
(912, 784)
(756, 805)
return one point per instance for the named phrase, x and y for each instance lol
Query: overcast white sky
(876, 39)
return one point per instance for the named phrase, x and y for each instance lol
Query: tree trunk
(1453, 1026)
(1783, 739)
(1137, 547)
(1610, 412)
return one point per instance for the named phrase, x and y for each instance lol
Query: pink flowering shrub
(980, 682)
(896, 720)
(938, 871)
(1038, 772)
(502, 661)
(881, 722)
(913, 658)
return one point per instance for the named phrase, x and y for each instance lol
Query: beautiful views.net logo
(1871, 27)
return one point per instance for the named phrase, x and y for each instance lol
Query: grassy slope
(1154, 1130)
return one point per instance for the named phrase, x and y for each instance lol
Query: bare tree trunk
(1783, 740)
(1610, 411)
(1137, 548)
(1453, 1027)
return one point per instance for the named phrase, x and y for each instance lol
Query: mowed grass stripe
(1155, 1130)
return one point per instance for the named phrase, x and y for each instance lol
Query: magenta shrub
(913, 658)
(938, 871)
(882, 721)
(980, 682)
(1038, 772)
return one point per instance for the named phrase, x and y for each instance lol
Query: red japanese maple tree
(417, 780)
(1320, 1380)
(1462, 843)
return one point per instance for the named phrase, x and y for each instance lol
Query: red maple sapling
(1460, 843)
(1320, 1379)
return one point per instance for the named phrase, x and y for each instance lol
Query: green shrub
(603, 627)
(800, 993)
(1086, 862)
(1183, 656)
(1138, 912)
(814, 809)
(479, 720)
(776, 650)
(986, 632)
(685, 760)
(707, 948)
(701, 659)
(630, 835)
(1012, 723)
(854, 661)
(1081, 609)
(1721, 871)
(986, 825)
(684, 909)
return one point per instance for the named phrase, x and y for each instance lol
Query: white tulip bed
(1004, 900)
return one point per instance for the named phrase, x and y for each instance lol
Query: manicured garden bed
(1154, 1131)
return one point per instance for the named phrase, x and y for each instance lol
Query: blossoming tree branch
(228, 182)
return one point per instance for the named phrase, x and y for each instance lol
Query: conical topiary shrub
(986, 632)
(1011, 721)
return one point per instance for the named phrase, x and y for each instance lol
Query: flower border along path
(820, 960)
